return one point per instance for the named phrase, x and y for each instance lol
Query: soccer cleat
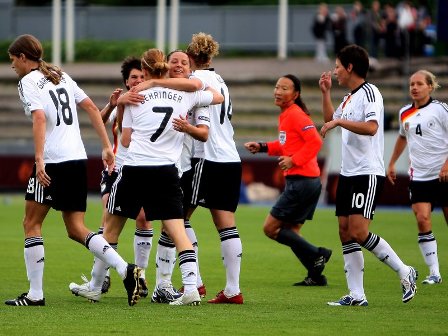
(408, 285)
(349, 300)
(106, 285)
(187, 299)
(315, 281)
(132, 284)
(165, 294)
(201, 289)
(222, 298)
(143, 287)
(319, 262)
(432, 280)
(84, 290)
(23, 300)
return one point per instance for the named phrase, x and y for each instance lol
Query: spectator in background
(392, 34)
(320, 26)
(407, 19)
(422, 23)
(339, 28)
(424, 129)
(358, 17)
(296, 148)
(375, 28)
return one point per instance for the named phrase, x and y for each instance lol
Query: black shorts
(216, 185)
(155, 188)
(358, 195)
(68, 187)
(298, 201)
(186, 183)
(434, 192)
(107, 181)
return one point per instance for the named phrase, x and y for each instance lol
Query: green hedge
(93, 51)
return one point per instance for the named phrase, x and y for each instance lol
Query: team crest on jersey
(282, 137)
(431, 124)
(406, 126)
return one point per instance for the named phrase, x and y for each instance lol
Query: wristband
(263, 147)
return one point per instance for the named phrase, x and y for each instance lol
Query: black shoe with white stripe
(23, 300)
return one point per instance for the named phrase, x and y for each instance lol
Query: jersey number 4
(225, 113)
(418, 130)
(62, 103)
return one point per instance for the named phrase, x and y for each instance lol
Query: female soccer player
(59, 178)
(149, 177)
(424, 128)
(216, 164)
(360, 117)
(132, 74)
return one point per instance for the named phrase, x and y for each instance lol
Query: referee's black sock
(297, 243)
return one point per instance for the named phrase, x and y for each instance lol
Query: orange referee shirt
(299, 139)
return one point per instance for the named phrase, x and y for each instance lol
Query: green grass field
(272, 305)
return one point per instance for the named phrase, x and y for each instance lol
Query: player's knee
(269, 232)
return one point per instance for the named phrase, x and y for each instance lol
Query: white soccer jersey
(154, 141)
(119, 150)
(62, 136)
(426, 132)
(362, 154)
(197, 116)
(220, 146)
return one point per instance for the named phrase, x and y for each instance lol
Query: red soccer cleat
(222, 298)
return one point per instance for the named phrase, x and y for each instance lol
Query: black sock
(303, 250)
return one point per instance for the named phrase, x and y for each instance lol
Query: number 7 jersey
(154, 141)
(59, 102)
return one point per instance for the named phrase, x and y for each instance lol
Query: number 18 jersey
(62, 136)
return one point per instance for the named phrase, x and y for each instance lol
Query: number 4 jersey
(62, 136)
(426, 131)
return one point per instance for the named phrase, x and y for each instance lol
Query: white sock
(102, 250)
(354, 269)
(34, 254)
(188, 269)
(231, 251)
(384, 252)
(428, 246)
(194, 241)
(165, 260)
(99, 271)
(142, 248)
